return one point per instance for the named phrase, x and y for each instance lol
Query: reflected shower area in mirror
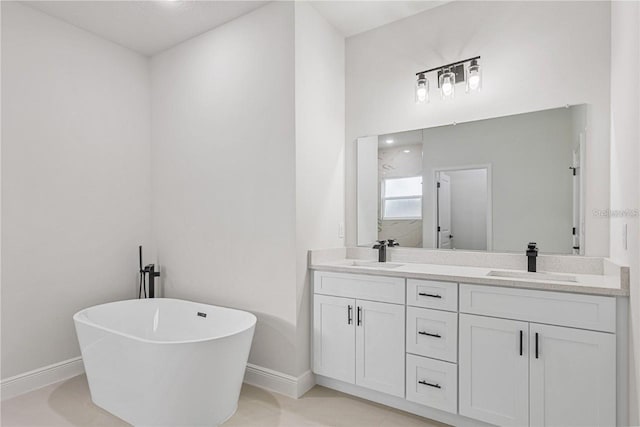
(487, 185)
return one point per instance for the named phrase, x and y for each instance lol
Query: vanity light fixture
(466, 71)
(447, 83)
(422, 89)
(474, 76)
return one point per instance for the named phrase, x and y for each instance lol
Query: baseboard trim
(38, 378)
(279, 382)
(306, 382)
(255, 375)
(399, 403)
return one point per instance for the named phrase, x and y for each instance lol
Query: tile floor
(68, 404)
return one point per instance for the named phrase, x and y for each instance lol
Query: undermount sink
(374, 264)
(534, 276)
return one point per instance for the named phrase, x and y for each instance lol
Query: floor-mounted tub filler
(165, 362)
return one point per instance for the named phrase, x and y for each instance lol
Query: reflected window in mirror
(402, 198)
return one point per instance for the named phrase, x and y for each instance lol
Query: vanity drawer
(432, 333)
(432, 383)
(557, 308)
(432, 294)
(361, 286)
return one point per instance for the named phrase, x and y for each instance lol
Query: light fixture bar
(448, 65)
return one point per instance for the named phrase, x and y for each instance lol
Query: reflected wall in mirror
(493, 184)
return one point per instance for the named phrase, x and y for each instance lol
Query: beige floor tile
(331, 408)
(402, 419)
(68, 403)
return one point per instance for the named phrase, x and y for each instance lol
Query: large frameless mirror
(488, 185)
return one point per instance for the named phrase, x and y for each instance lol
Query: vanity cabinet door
(334, 337)
(494, 370)
(572, 377)
(380, 349)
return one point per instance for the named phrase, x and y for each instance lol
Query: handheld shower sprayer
(142, 275)
(151, 271)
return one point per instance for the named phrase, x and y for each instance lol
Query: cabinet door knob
(423, 294)
(429, 334)
(429, 384)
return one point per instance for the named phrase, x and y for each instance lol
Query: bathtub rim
(77, 318)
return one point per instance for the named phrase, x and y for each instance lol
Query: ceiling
(354, 17)
(149, 27)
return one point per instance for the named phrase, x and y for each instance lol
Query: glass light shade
(474, 77)
(447, 84)
(422, 89)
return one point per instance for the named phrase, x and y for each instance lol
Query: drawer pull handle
(359, 320)
(349, 315)
(536, 345)
(422, 294)
(429, 384)
(430, 335)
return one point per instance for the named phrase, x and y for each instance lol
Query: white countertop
(595, 284)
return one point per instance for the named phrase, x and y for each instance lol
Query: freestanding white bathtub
(165, 362)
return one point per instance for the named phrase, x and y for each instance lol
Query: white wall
(246, 174)
(75, 181)
(531, 184)
(469, 208)
(625, 179)
(319, 101)
(223, 175)
(531, 58)
(248, 169)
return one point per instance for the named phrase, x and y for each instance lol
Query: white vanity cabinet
(380, 347)
(518, 373)
(432, 333)
(432, 294)
(432, 344)
(334, 338)
(360, 340)
(432, 383)
(493, 371)
(572, 377)
(468, 354)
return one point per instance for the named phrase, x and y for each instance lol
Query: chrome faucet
(532, 254)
